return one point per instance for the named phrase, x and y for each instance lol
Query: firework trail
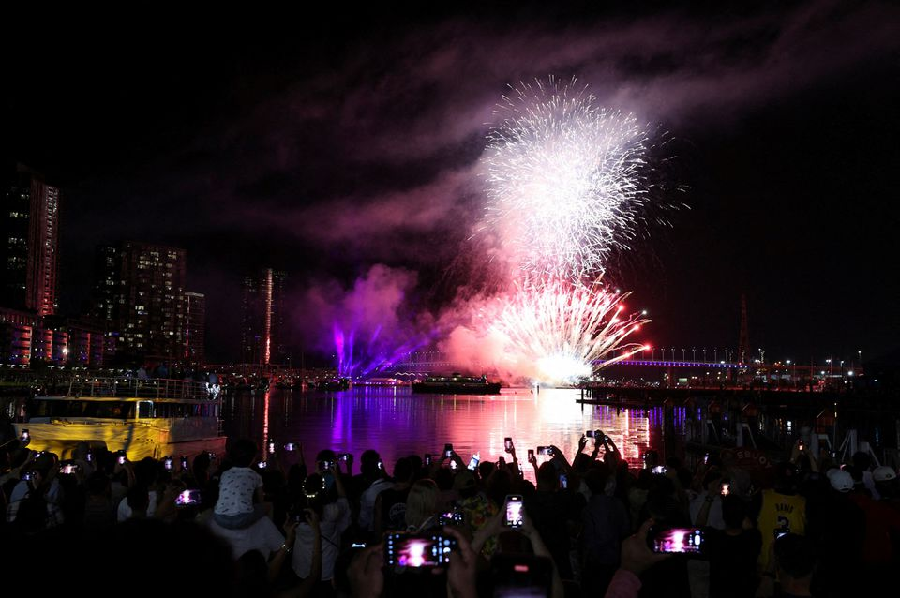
(560, 328)
(565, 179)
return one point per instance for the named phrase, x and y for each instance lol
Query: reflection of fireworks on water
(562, 328)
(565, 182)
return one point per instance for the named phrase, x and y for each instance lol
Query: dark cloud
(352, 142)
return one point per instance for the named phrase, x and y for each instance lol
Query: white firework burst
(564, 179)
(561, 329)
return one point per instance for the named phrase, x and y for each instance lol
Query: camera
(69, 468)
(454, 517)
(545, 451)
(448, 450)
(473, 462)
(680, 540)
(405, 550)
(290, 447)
(514, 516)
(507, 445)
(167, 463)
(188, 497)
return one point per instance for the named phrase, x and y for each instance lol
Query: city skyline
(342, 147)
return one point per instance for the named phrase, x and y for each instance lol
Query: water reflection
(397, 423)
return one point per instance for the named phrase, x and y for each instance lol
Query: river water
(396, 422)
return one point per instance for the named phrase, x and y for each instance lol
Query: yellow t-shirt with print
(779, 513)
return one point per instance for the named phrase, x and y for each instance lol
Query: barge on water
(456, 385)
(146, 418)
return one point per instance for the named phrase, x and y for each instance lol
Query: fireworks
(558, 328)
(564, 180)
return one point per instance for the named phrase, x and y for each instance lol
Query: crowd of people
(263, 521)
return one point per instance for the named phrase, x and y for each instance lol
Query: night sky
(329, 145)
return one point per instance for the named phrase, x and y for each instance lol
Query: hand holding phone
(683, 540)
(507, 445)
(417, 551)
(514, 514)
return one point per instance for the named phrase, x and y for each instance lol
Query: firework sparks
(561, 328)
(564, 179)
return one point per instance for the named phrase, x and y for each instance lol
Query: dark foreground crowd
(252, 524)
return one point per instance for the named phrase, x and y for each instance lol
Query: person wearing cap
(840, 533)
(882, 523)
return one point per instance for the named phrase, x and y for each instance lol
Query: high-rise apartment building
(195, 322)
(139, 300)
(141, 303)
(29, 247)
(263, 333)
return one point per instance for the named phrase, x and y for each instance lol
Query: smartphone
(68, 468)
(261, 465)
(530, 454)
(184, 464)
(167, 463)
(514, 516)
(454, 517)
(25, 435)
(89, 456)
(121, 457)
(453, 465)
(187, 497)
(659, 469)
(290, 447)
(507, 445)
(448, 450)
(27, 476)
(563, 481)
(427, 460)
(780, 533)
(681, 540)
(725, 490)
(344, 457)
(326, 465)
(381, 465)
(800, 445)
(545, 451)
(473, 462)
(410, 551)
(589, 434)
(706, 459)
(271, 447)
(516, 575)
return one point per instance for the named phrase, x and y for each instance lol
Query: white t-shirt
(236, 489)
(335, 520)
(262, 536)
(124, 511)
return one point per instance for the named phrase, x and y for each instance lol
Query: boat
(146, 418)
(456, 385)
